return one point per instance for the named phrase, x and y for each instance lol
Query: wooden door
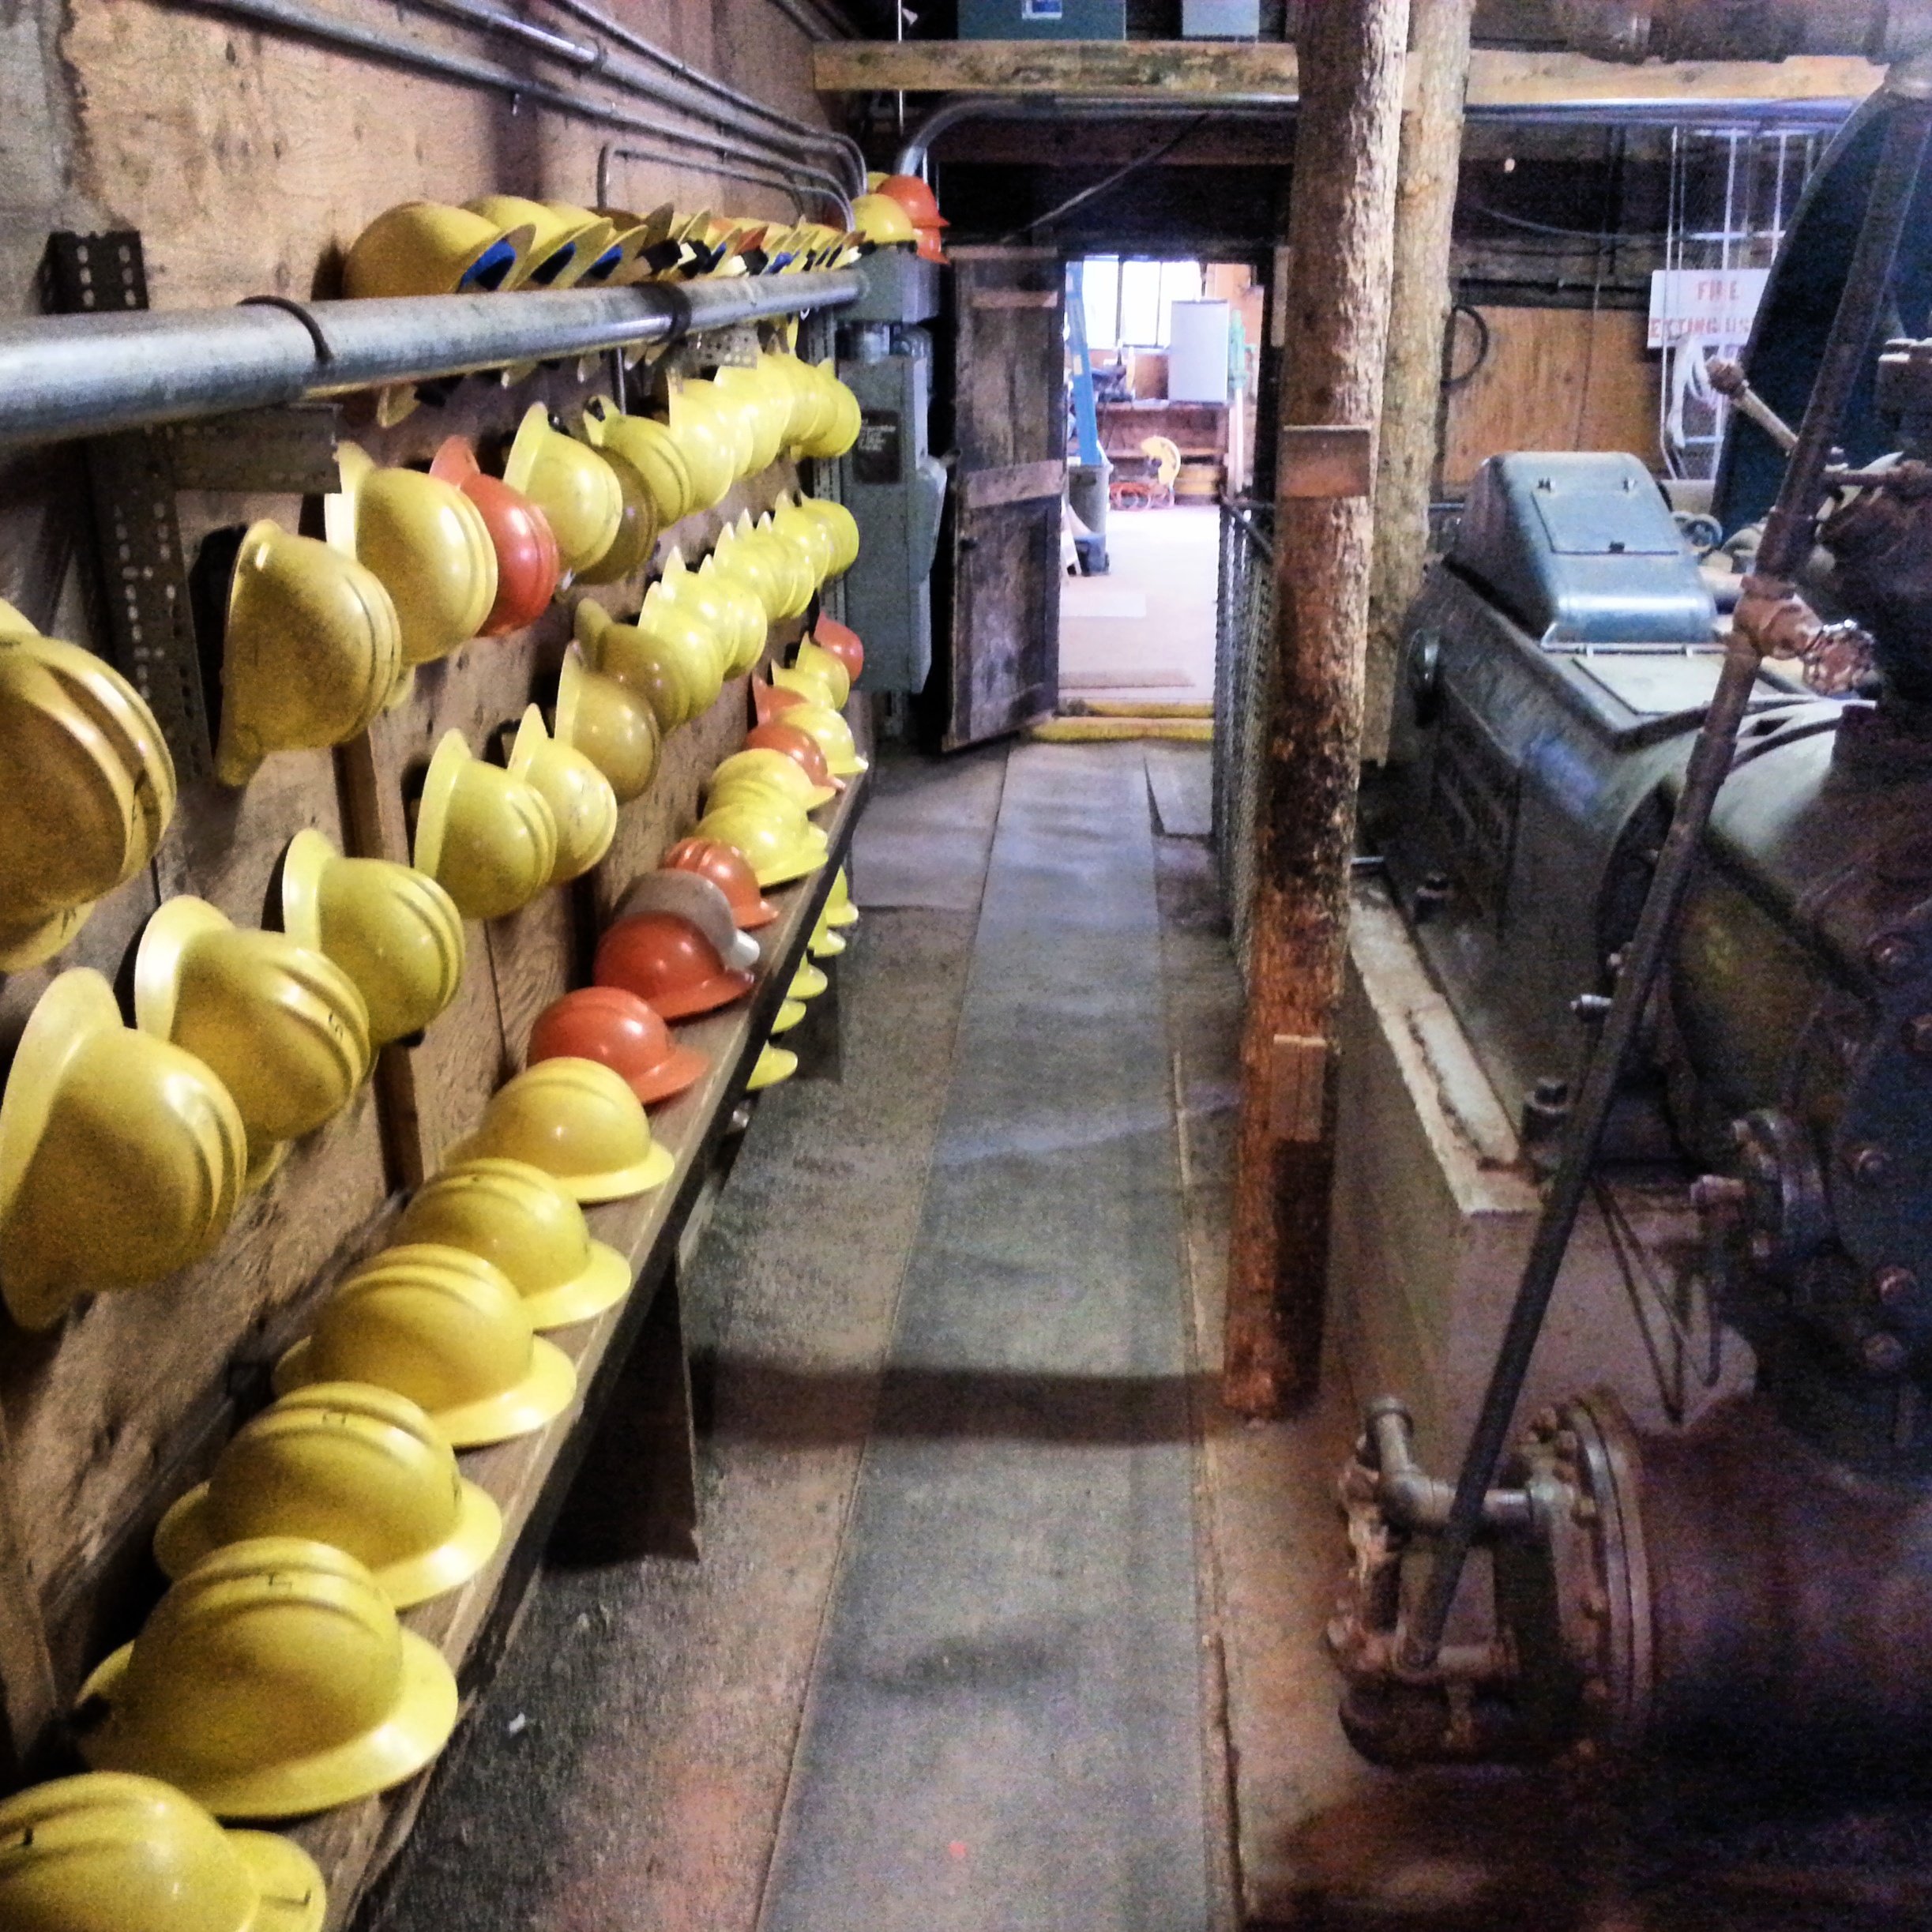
(1009, 426)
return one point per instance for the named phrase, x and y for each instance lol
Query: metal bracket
(1325, 459)
(143, 573)
(281, 451)
(1298, 1087)
(735, 348)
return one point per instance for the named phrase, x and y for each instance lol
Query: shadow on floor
(784, 1406)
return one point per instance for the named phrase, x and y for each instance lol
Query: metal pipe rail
(89, 375)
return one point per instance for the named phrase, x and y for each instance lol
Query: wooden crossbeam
(1185, 69)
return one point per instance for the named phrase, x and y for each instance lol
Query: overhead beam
(1162, 69)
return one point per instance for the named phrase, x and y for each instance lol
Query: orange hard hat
(527, 560)
(725, 867)
(800, 747)
(843, 643)
(665, 959)
(928, 246)
(914, 193)
(625, 1033)
(768, 699)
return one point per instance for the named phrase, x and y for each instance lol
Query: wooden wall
(1553, 379)
(249, 162)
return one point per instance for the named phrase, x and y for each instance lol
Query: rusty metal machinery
(1683, 905)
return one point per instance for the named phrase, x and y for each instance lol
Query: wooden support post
(1341, 231)
(1419, 312)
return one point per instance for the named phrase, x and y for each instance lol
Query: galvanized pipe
(296, 16)
(915, 154)
(89, 375)
(823, 140)
(618, 151)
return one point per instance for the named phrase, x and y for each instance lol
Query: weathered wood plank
(1020, 483)
(1159, 69)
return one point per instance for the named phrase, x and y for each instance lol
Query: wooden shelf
(530, 1477)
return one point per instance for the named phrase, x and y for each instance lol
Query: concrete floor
(1145, 630)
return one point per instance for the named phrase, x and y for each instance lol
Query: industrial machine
(894, 485)
(1670, 866)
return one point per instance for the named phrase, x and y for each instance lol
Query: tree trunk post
(1418, 315)
(1342, 232)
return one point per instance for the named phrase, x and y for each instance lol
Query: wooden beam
(1341, 233)
(1163, 70)
(1426, 178)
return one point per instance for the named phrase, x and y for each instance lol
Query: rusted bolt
(1891, 956)
(1918, 1031)
(1583, 1511)
(1883, 1354)
(1870, 1166)
(1894, 1285)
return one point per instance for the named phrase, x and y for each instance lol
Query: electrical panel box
(1042, 20)
(895, 490)
(1220, 20)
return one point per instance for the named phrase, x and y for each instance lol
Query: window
(1128, 301)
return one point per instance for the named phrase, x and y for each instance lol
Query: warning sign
(1710, 305)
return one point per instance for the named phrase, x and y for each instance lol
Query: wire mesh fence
(1245, 614)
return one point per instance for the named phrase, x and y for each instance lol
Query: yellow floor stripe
(1088, 731)
(1123, 707)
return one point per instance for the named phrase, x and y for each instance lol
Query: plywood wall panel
(1553, 379)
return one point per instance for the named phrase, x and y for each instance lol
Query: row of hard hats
(504, 242)
(89, 788)
(897, 208)
(125, 1151)
(718, 430)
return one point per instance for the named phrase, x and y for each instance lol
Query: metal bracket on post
(273, 452)
(143, 574)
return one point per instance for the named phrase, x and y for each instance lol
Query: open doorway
(1162, 358)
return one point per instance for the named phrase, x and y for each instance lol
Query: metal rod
(296, 16)
(771, 177)
(88, 375)
(825, 140)
(1787, 540)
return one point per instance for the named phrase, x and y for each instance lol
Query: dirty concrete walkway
(945, 1663)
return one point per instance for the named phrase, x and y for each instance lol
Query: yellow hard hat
(272, 1680)
(795, 564)
(428, 248)
(702, 599)
(108, 1852)
(598, 244)
(840, 911)
(443, 1326)
(813, 660)
(746, 611)
(664, 610)
(739, 553)
(636, 531)
(807, 983)
(281, 1026)
(70, 830)
(623, 262)
(761, 770)
(766, 404)
(310, 652)
(825, 943)
(576, 490)
(358, 1468)
(566, 242)
(778, 841)
(650, 449)
(842, 428)
(487, 837)
(881, 220)
(580, 797)
(392, 929)
(119, 712)
(825, 723)
(121, 1156)
(790, 1012)
(426, 542)
(611, 724)
(671, 660)
(774, 1064)
(531, 1227)
(797, 524)
(841, 528)
(577, 1120)
(707, 435)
